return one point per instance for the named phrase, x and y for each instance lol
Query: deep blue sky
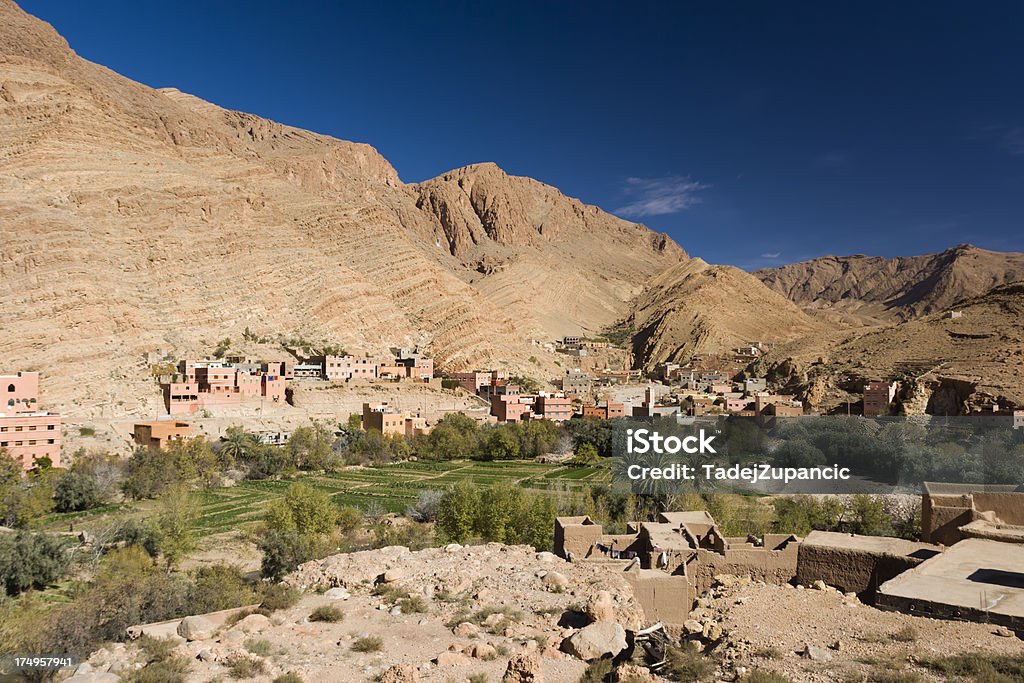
(754, 133)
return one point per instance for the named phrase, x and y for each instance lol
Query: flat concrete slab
(885, 545)
(976, 579)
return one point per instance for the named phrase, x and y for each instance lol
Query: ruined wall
(943, 524)
(771, 566)
(1008, 506)
(664, 597)
(850, 569)
(579, 539)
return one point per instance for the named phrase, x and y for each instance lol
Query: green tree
(76, 491)
(499, 507)
(868, 516)
(29, 560)
(173, 529)
(303, 509)
(310, 447)
(454, 436)
(237, 445)
(457, 512)
(500, 444)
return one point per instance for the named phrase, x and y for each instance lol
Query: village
(242, 390)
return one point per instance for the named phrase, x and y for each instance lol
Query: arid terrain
(478, 608)
(136, 220)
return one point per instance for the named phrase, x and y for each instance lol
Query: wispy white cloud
(771, 254)
(659, 196)
(831, 160)
(1013, 140)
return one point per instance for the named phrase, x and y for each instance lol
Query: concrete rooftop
(975, 575)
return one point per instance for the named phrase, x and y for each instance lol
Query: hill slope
(894, 289)
(135, 219)
(695, 308)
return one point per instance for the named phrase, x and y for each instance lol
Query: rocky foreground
(510, 614)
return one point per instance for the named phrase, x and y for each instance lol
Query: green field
(388, 487)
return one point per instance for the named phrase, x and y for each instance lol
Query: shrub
(171, 670)
(217, 587)
(246, 667)
(478, 678)
(155, 649)
(687, 664)
(758, 676)
(597, 671)
(981, 666)
(259, 646)
(290, 677)
(284, 551)
(280, 596)
(29, 560)
(368, 644)
(328, 613)
(87, 431)
(75, 492)
(413, 604)
(907, 634)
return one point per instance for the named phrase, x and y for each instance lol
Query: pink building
(345, 368)
(477, 380)
(27, 433)
(554, 408)
(212, 384)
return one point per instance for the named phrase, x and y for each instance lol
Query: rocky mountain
(136, 219)
(695, 308)
(893, 289)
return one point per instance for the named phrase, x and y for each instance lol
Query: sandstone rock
(555, 580)
(481, 651)
(600, 607)
(254, 623)
(596, 640)
(546, 557)
(337, 594)
(451, 659)
(400, 673)
(466, 630)
(392, 575)
(452, 548)
(816, 653)
(523, 668)
(692, 626)
(196, 628)
(819, 585)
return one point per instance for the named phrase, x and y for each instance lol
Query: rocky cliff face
(695, 308)
(134, 219)
(894, 289)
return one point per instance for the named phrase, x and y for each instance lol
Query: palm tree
(237, 444)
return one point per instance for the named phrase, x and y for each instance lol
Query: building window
(10, 388)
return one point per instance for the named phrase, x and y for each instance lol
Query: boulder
(196, 628)
(554, 579)
(337, 594)
(466, 630)
(481, 651)
(546, 557)
(254, 623)
(596, 640)
(816, 653)
(693, 626)
(523, 668)
(400, 673)
(392, 575)
(451, 659)
(600, 607)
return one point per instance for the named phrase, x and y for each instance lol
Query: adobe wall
(664, 597)
(943, 525)
(578, 539)
(1008, 506)
(771, 566)
(849, 569)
